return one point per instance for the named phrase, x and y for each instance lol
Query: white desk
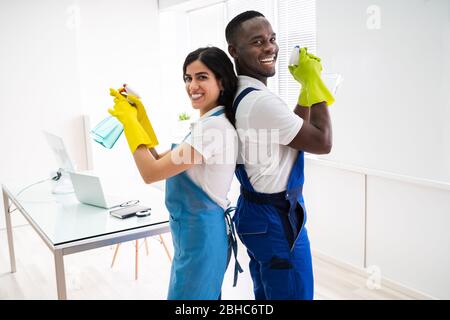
(67, 226)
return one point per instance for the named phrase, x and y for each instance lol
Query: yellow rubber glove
(127, 115)
(143, 118)
(307, 73)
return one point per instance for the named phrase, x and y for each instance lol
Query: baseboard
(389, 283)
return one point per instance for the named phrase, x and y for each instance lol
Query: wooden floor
(89, 275)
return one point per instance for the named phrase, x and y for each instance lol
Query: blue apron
(202, 247)
(272, 227)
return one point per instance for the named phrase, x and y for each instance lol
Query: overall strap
(233, 243)
(241, 96)
(218, 113)
(215, 114)
(240, 172)
(297, 176)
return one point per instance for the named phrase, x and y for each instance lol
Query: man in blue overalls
(270, 216)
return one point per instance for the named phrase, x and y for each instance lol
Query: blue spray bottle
(108, 131)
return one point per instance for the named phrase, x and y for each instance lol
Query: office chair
(136, 270)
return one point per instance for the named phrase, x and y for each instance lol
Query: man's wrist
(303, 98)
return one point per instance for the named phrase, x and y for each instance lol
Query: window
(190, 26)
(296, 26)
(207, 27)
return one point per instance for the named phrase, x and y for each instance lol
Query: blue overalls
(272, 227)
(202, 247)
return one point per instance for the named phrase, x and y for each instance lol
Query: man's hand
(307, 72)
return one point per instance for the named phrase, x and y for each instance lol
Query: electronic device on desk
(89, 190)
(63, 183)
(123, 213)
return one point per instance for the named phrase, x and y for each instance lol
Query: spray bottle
(108, 131)
(331, 80)
(126, 90)
(295, 54)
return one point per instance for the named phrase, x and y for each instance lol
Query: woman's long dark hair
(218, 62)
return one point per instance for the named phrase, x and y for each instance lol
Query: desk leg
(12, 256)
(60, 276)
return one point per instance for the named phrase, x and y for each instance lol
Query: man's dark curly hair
(234, 25)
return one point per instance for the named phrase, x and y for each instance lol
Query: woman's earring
(221, 93)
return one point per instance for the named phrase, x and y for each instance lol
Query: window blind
(294, 22)
(207, 27)
(234, 7)
(296, 26)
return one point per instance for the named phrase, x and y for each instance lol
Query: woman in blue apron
(199, 172)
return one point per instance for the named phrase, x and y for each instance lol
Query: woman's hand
(127, 115)
(143, 118)
(122, 109)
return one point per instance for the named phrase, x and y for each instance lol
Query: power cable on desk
(54, 178)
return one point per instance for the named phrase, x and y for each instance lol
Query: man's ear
(232, 51)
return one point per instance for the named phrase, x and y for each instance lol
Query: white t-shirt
(216, 140)
(266, 125)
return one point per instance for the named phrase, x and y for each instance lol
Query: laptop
(88, 190)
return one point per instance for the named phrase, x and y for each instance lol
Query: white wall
(391, 114)
(119, 44)
(390, 227)
(58, 60)
(40, 88)
(392, 110)
(185, 4)
(446, 80)
(407, 234)
(336, 220)
(214, 34)
(174, 40)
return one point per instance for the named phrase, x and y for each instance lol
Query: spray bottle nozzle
(295, 54)
(126, 90)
